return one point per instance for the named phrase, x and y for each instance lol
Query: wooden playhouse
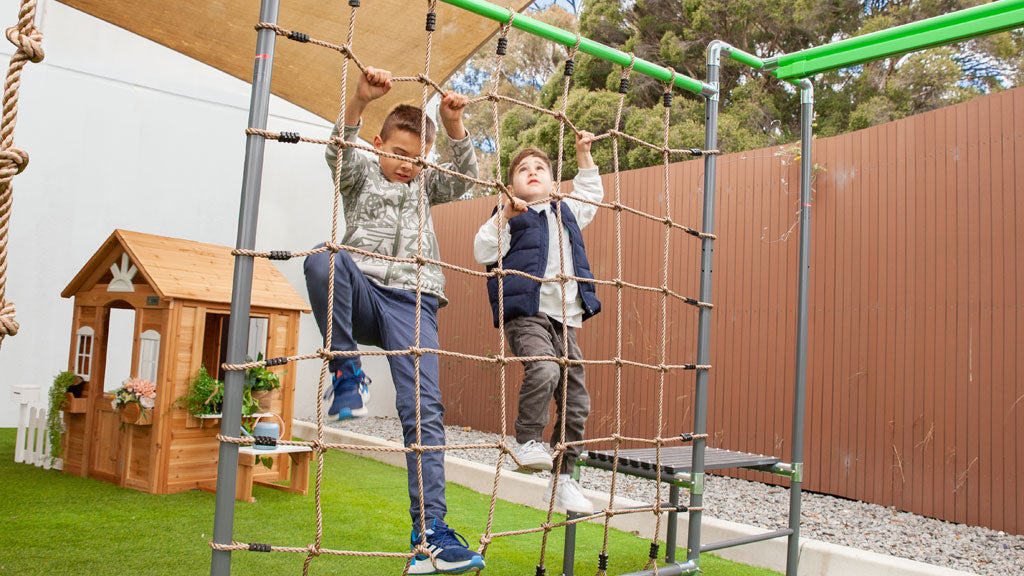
(180, 294)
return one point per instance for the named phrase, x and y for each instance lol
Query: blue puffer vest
(528, 253)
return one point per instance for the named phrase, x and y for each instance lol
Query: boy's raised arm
(587, 183)
(443, 187)
(372, 85)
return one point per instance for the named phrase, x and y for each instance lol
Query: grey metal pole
(700, 400)
(241, 290)
(800, 386)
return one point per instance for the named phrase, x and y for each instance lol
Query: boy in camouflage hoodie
(375, 299)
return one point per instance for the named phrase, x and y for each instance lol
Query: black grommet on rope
(353, 3)
(696, 152)
(258, 547)
(431, 21)
(623, 85)
(569, 65)
(686, 437)
(280, 255)
(502, 46)
(265, 440)
(279, 361)
(666, 99)
(602, 561)
(298, 36)
(541, 571)
(289, 137)
(654, 550)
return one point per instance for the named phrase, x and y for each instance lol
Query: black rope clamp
(502, 46)
(569, 65)
(353, 3)
(265, 441)
(541, 571)
(686, 437)
(431, 21)
(654, 550)
(279, 361)
(280, 255)
(289, 137)
(623, 85)
(602, 561)
(666, 99)
(696, 152)
(298, 36)
(258, 547)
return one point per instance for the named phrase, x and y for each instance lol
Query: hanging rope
(29, 43)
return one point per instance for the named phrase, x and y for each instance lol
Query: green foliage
(756, 110)
(206, 396)
(259, 378)
(54, 420)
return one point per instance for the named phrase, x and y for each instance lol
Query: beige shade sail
(389, 34)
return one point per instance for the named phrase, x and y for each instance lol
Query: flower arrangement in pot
(134, 400)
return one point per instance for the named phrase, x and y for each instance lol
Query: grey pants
(539, 335)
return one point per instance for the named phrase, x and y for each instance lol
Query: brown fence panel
(916, 353)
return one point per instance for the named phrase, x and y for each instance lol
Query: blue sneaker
(450, 552)
(351, 393)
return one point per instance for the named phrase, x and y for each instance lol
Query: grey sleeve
(443, 187)
(354, 165)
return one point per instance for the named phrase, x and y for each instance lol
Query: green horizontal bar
(538, 28)
(940, 30)
(746, 58)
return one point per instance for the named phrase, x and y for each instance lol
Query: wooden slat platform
(677, 459)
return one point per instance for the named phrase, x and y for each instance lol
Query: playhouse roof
(185, 269)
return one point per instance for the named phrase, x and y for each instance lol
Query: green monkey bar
(946, 29)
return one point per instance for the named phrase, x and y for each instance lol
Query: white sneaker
(533, 457)
(569, 495)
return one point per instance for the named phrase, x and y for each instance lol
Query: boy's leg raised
(398, 330)
(355, 311)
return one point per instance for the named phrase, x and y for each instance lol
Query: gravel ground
(826, 518)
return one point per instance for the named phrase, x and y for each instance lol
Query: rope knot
(501, 359)
(417, 351)
(616, 206)
(485, 540)
(12, 161)
(313, 550)
(421, 162)
(8, 325)
(332, 247)
(560, 447)
(618, 362)
(417, 448)
(29, 42)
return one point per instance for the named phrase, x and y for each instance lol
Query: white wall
(125, 133)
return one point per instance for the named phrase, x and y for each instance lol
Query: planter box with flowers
(134, 401)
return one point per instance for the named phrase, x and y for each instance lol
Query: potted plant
(134, 401)
(260, 382)
(58, 397)
(205, 397)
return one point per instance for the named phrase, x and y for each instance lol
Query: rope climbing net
(666, 294)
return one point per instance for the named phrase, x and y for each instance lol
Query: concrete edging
(816, 557)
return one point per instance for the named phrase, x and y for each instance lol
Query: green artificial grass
(54, 523)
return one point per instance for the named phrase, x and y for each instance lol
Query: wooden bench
(248, 460)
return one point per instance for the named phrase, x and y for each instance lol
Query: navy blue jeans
(365, 313)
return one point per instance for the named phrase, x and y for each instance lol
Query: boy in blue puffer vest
(533, 310)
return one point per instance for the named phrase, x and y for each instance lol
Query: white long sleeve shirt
(586, 185)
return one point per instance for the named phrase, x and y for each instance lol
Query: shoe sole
(477, 563)
(347, 413)
(532, 467)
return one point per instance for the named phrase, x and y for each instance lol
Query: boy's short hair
(406, 117)
(523, 155)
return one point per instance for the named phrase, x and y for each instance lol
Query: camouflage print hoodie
(380, 216)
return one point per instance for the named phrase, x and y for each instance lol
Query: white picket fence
(32, 443)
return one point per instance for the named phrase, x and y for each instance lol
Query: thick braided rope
(564, 374)
(29, 43)
(421, 207)
(624, 79)
(485, 540)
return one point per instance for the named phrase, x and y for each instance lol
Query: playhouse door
(106, 450)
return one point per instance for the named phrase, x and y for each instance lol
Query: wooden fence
(916, 355)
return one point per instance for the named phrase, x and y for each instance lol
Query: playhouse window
(83, 353)
(257, 337)
(149, 355)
